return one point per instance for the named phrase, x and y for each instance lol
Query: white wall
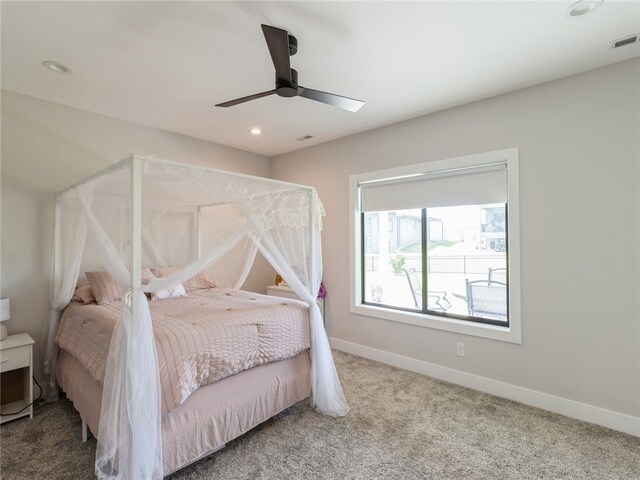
(47, 147)
(579, 182)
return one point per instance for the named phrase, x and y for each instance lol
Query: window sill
(504, 334)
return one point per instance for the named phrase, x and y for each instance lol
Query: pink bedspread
(202, 338)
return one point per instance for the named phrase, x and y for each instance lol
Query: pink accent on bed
(106, 290)
(83, 295)
(104, 287)
(146, 275)
(213, 415)
(200, 281)
(200, 339)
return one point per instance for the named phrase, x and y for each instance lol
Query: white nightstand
(16, 368)
(287, 292)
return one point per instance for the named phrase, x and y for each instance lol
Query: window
(442, 250)
(456, 261)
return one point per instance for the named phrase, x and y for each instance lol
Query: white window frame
(512, 333)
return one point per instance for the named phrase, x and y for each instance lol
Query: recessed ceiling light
(256, 131)
(582, 8)
(57, 67)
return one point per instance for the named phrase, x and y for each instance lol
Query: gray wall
(579, 182)
(579, 162)
(47, 147)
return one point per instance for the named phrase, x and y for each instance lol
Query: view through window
(449, 261)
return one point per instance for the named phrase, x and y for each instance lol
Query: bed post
(198, 232)
(50, 349)
(56, 250)
(136, 227)
(312, 244)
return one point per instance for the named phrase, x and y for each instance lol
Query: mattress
(213, 415)
(200, 339)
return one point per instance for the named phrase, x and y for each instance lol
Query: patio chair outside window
(437, 301)
(497, 275)
(487, 299)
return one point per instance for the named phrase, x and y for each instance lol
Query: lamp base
(3, 332)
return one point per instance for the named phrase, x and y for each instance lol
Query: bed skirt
(213, 415)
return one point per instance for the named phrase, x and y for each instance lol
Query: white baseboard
(581, 411)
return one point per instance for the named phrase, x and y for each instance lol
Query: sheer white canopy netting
(150, 212)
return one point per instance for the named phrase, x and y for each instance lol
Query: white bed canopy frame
(144, 211)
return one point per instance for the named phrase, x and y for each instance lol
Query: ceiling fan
(281, 47)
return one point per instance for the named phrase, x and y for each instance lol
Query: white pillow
(174, 292)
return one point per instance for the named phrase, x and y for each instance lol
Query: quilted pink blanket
(202, 338)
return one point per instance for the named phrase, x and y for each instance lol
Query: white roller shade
(470, 186)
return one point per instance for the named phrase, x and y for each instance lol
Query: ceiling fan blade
(237, 101)
(278, 43)
(339, 101)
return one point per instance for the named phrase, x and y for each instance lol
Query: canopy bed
(165, 382)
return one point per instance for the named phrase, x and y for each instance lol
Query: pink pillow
(106, 290)
(84, 295)
(199, 281)
(104, 287)
(146, 275)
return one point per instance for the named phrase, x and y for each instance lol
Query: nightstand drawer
(13, 358)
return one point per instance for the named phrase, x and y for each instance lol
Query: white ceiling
(165, 64)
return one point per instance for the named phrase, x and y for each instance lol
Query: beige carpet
(401, 426)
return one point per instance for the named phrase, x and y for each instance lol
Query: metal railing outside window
(464, 264)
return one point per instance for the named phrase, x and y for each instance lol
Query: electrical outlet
(460, 349)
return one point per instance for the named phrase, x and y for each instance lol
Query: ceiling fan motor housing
(293, 45)
(284, 88)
